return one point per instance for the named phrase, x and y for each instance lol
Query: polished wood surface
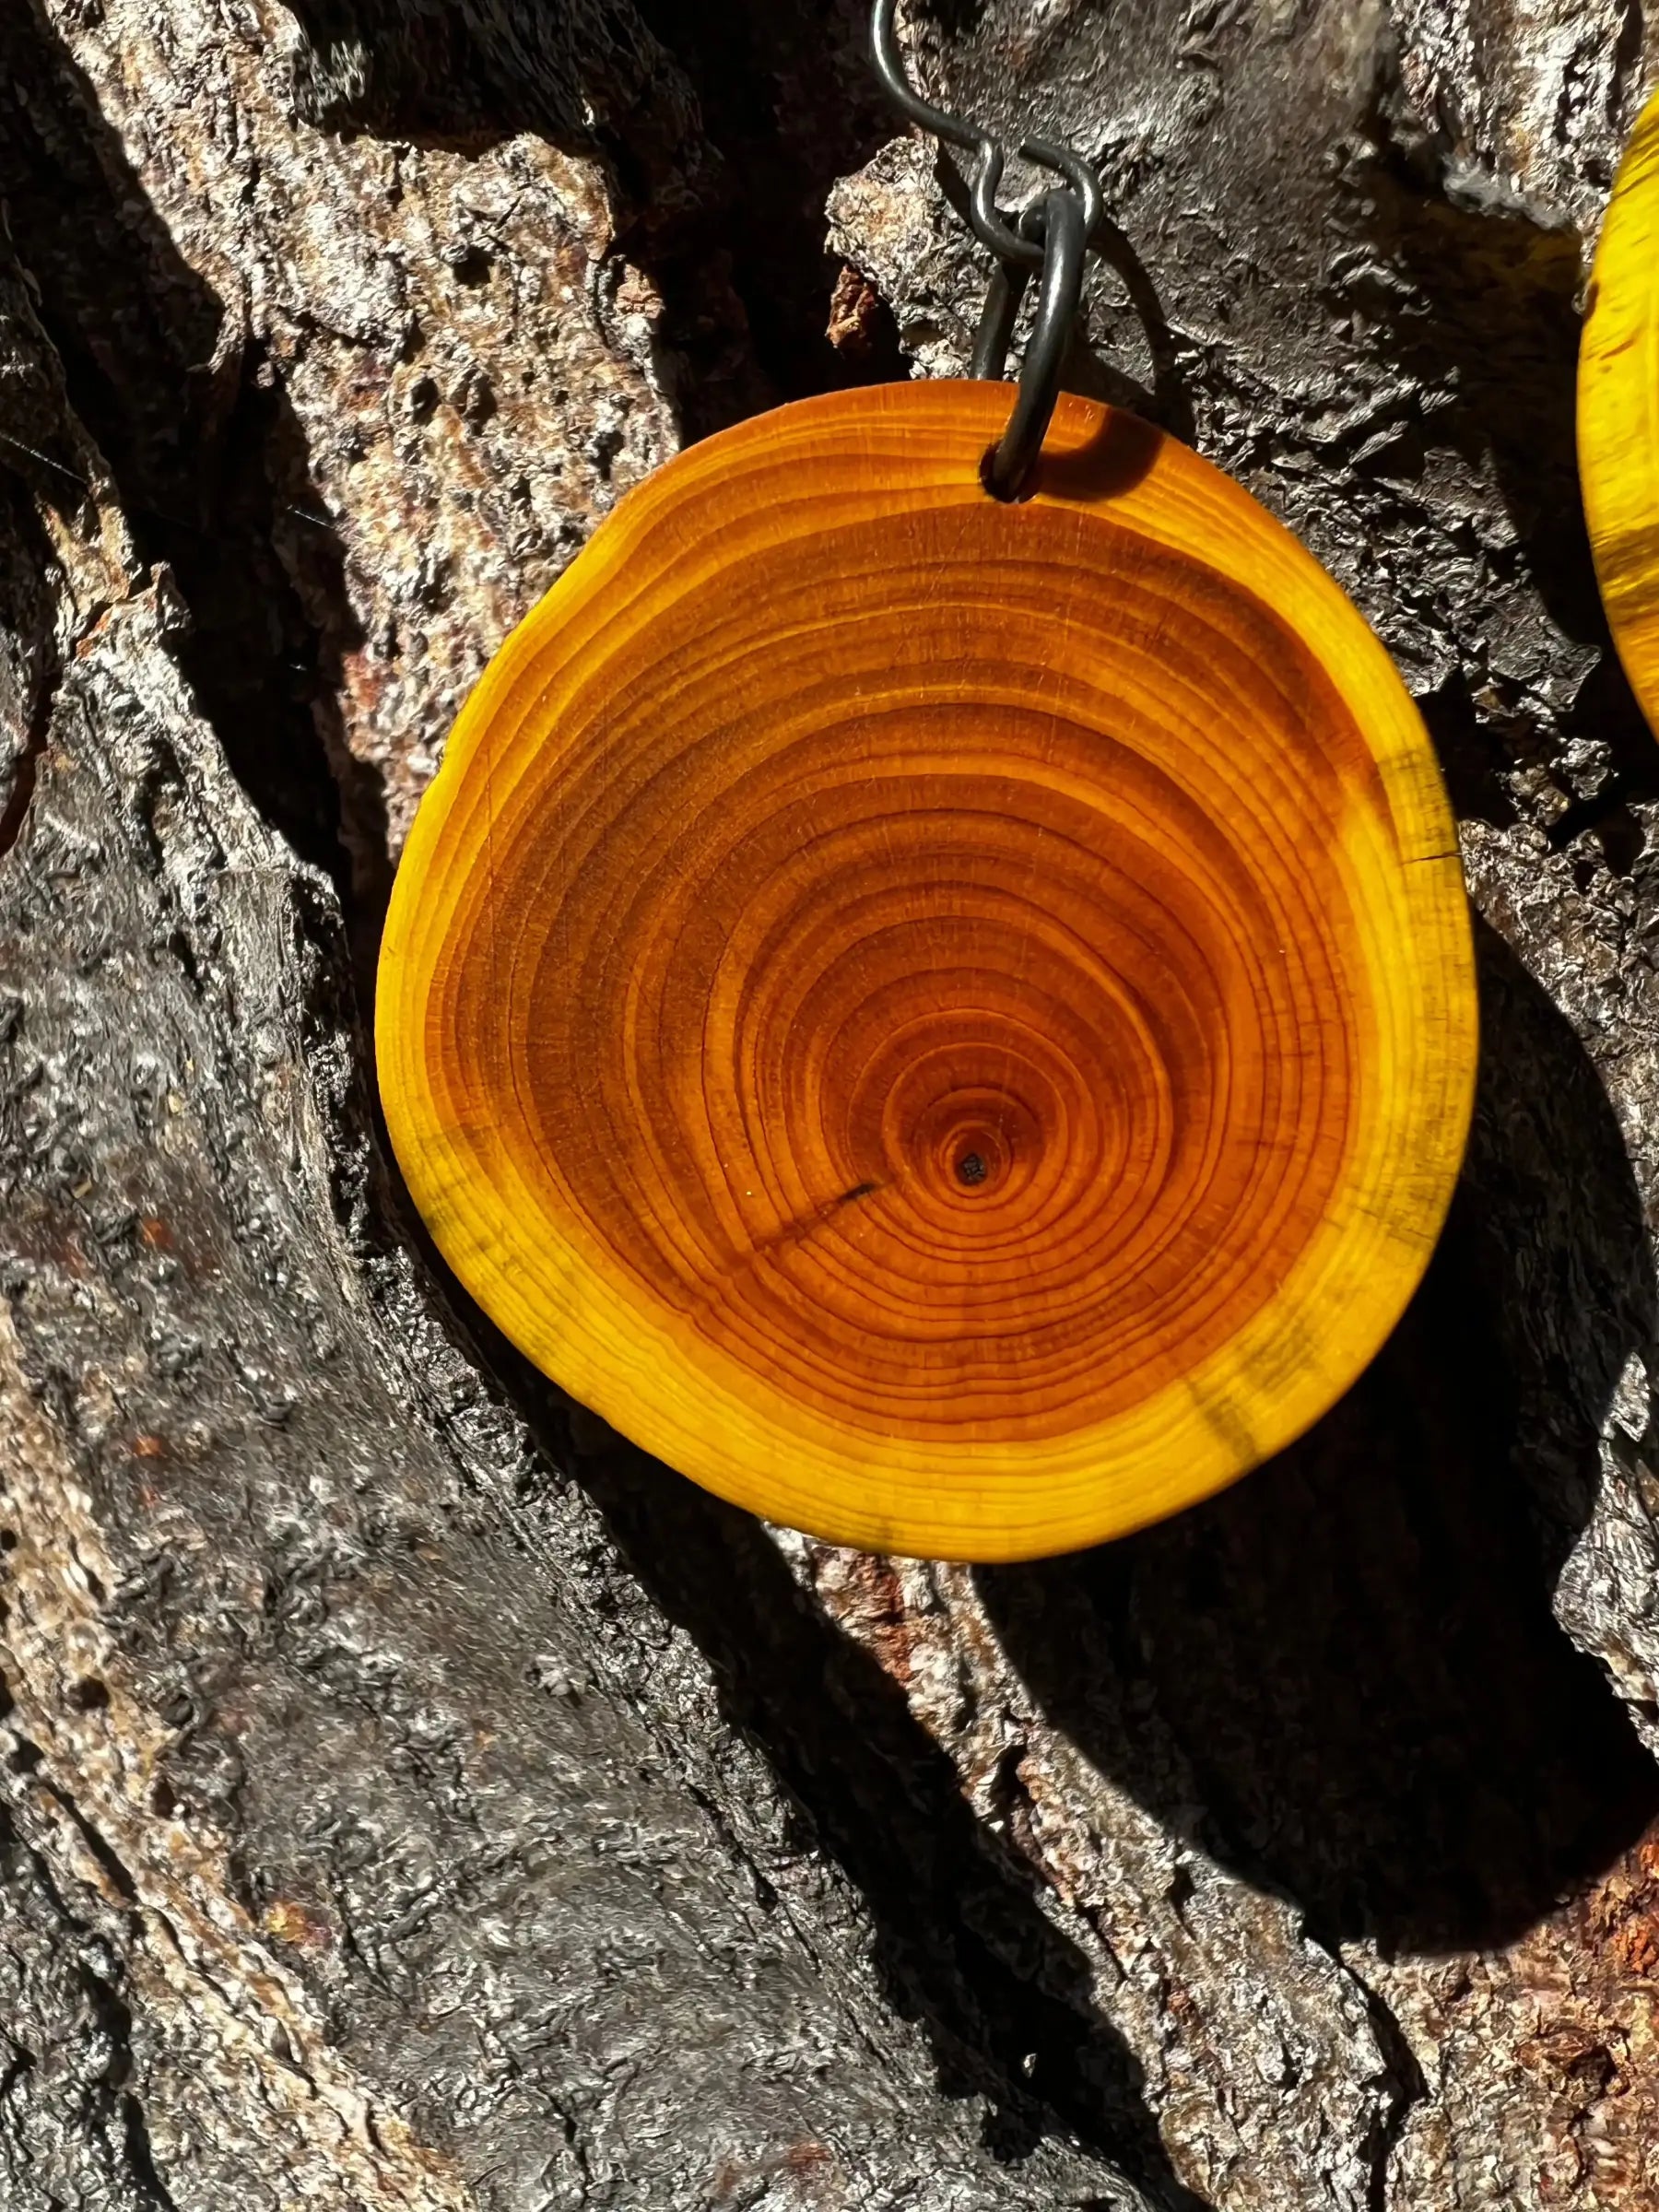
(950, 1023)
(1619, 411)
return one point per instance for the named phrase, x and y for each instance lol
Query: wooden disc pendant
(1618, 412)
(950, 1022)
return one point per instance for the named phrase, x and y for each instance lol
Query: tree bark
(415, 1798)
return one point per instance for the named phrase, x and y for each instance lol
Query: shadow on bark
(963, 1945)
(1477, 305)
(1342, 1678)
(206, 456)
(724, 127)
(29, 659)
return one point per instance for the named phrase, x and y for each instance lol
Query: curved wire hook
(890, 67)
(991, 226)
(1052, 235)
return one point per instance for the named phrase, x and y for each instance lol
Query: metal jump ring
(1061, 221)
(1052, 236)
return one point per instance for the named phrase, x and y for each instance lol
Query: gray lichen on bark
(415, 1798)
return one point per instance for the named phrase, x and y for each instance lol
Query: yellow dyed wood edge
(1618, 412)
(552, 1295)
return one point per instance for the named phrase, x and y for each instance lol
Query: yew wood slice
(1619, 411)
(950, 1023)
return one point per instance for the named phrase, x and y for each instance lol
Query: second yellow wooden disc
(1618, 412)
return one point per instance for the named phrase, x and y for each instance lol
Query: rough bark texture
(415, 1797)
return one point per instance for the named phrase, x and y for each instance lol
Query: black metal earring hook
(1053, 236)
